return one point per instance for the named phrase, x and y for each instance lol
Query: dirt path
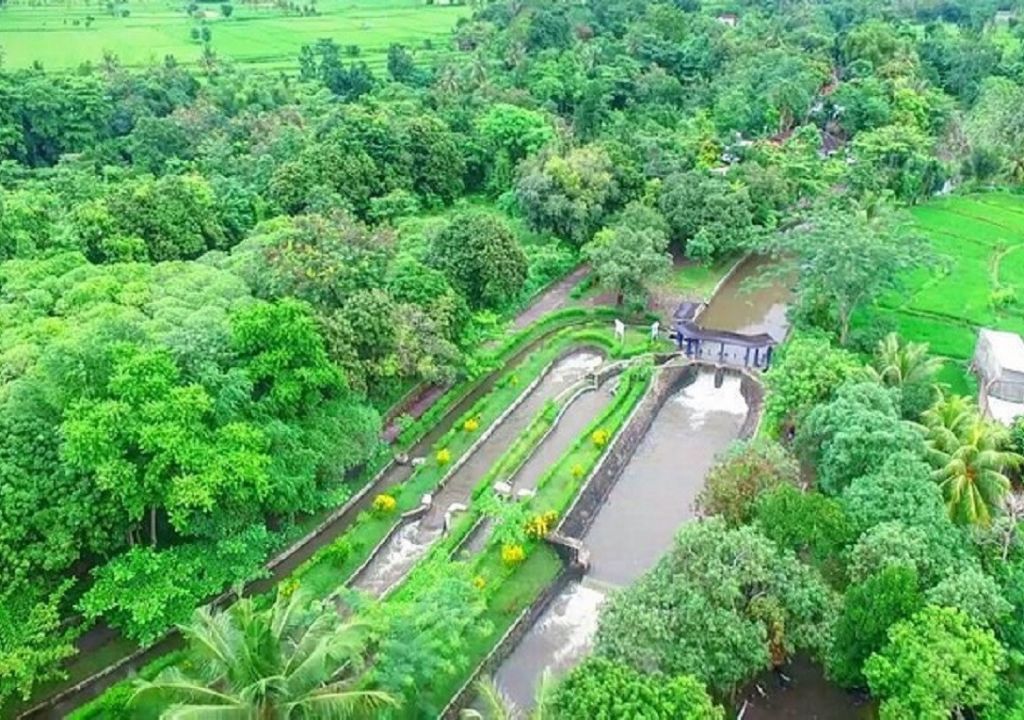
(555, 297)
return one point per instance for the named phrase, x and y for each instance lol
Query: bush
(600, 437)
(384, 504)
(443, 457)
(600, 688)
(512, 554)
(539, 525)
(471, 425)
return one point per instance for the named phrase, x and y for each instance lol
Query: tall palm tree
(294, 661)
(497, 706)
(947, 419)
(897, 363)
(969, 460)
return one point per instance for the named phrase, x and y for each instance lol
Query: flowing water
(635, 526)
(392, 561)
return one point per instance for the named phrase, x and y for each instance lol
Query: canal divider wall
(425, 507)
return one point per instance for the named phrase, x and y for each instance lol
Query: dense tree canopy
(695, 612)
(214, 280)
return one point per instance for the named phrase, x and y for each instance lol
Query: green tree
(870, 608)
(627, 259)
(898, 158)
(897, 363)
(900, 489)
(854, 434)
(176, 216)
(844, 260)
(509, 134)
(568, 195)
(295, 660)
(933, 552)
(709, 217)
(746, 471)
(599, 689)
(806, 522)
(807, 372)
(936, 664)
(975, 594)
(721, 605)
(969, 460)
(481, 256)
(906, 366)
(33, 640)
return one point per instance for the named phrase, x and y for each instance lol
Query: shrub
(600, 437)
(578, 471)
(471, 425)
(512, 555)
(479, 582)
(384, 504)
(288, 587)
(539, 525)
(444, 456)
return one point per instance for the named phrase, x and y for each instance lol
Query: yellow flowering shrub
(538, 526)
(578, 471)
(471, 425)
(384, 504)
(444, 456)
(479, 583)
(600, 438)
(512, 555)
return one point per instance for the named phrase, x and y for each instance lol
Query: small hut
(999, 363)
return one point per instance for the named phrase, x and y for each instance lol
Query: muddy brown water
(750, 302)
(392, 561)
(806, 695)
(651, 499)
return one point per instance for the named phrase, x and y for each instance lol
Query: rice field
(264, 34)
(978, 280)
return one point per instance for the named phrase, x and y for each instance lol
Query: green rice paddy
(262, 34)
(978, 280)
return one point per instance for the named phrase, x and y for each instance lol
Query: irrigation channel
(106, 657)
(653, 495)
(693, 414)
(413, 538)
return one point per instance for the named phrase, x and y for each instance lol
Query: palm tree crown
(967, 454)
(897, 363)
(294, 661)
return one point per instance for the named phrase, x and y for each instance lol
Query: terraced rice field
(978, 281)
(258, 34)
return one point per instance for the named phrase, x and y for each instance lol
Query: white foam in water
(575, 366)
(701, 398)
(574, 622)
(398, 555)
